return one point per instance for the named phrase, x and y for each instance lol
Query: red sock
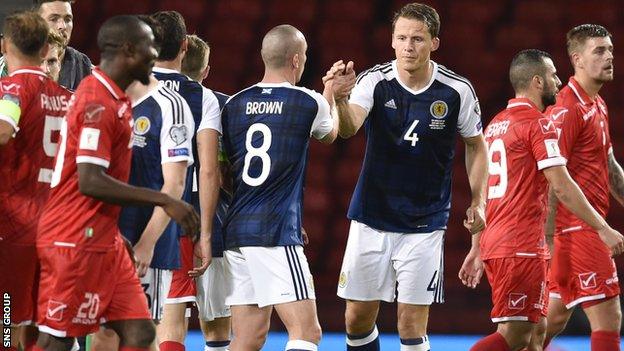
(492, 342)
(605, 341)
(171, 346)
(128, 348)
(37, 348)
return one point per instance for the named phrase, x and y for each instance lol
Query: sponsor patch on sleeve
(89, 139)
(178, 152)
(552, 148)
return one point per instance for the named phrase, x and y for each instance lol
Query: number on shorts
(497, 168)
(90, 307)
(260, 152)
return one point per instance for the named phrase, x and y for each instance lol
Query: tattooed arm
(616, 179)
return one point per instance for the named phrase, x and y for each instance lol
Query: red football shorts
(582, 270)
(518, 288)
(183, 287)
(19, 270)
(81, 289)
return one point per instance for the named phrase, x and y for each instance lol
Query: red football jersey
(522, 142)
(584, 140)
(27, 160)
(97, 130)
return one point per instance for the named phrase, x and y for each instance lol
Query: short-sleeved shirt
(585, 142)
(97, 130)
(521, 143)
(163, 133)
(26, 162)
(206, 114)
(405, 181)
(74, 68)
(266, 134)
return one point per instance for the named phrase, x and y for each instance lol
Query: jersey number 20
(497, 168)
(260, 152)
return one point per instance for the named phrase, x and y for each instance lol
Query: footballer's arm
(616, 179)
(477, 169)
(551, 215)
(208, 148)
(94, 182)
(174, 176)
(6, 132)
(569, 193)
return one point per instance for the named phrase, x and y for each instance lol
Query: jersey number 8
(260, 152)
(497, 168)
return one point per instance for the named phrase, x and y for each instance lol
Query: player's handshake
(184, 214)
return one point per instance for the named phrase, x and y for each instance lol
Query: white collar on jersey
(416, 92)
(28, 71)
(274, 85)
(164, 70)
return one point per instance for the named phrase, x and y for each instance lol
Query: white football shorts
(211, 292)
(267, 276)
(156, 284)
(375, 261)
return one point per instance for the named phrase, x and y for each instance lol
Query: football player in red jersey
(523, 158)
(31, 109)
(87, 276)
(582, 270)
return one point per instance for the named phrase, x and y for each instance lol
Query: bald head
(120, 30)
(280, 44)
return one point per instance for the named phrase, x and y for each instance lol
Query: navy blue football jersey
(206, 114)
(162, 133)
(405, 181)
(224, 197)
(266, 133)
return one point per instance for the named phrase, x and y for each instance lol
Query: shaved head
(119, 30)
(280, 44)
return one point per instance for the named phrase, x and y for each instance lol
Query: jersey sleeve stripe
(551, 162)
(454, 76)
(384, 68)
(93, 160)
(175, 106)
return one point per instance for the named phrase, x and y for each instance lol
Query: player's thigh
(516, 333)
(419, 265)
(606, 315)
(139, 333)
(367, 273)
(173, 325)
(300, 319)
(156, 283)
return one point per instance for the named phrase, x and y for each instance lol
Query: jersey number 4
(497, 168)
(410, 135)
(261, 152)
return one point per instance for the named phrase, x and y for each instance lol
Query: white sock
(301, 345)
(415, 344)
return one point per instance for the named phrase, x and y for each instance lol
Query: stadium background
(478, 41)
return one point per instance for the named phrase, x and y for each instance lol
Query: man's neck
(278, 76)
(136, 90)
(175, 64)
(116, 73)
(534, 98)
(590, 86)
(17, 63)
(417, 79)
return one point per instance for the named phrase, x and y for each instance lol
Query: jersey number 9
(497, 168)
(260, 152)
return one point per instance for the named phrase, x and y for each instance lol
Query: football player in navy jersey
(412, 109)
(214, 314)
(202, 184)
(266, 133)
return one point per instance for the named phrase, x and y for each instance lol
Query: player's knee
(358, 319)
(51, 343)
(412, 323)
(314, 334)
(140, 333)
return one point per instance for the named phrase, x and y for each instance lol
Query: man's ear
(205, 72)
(296, 61)
(44, 51)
